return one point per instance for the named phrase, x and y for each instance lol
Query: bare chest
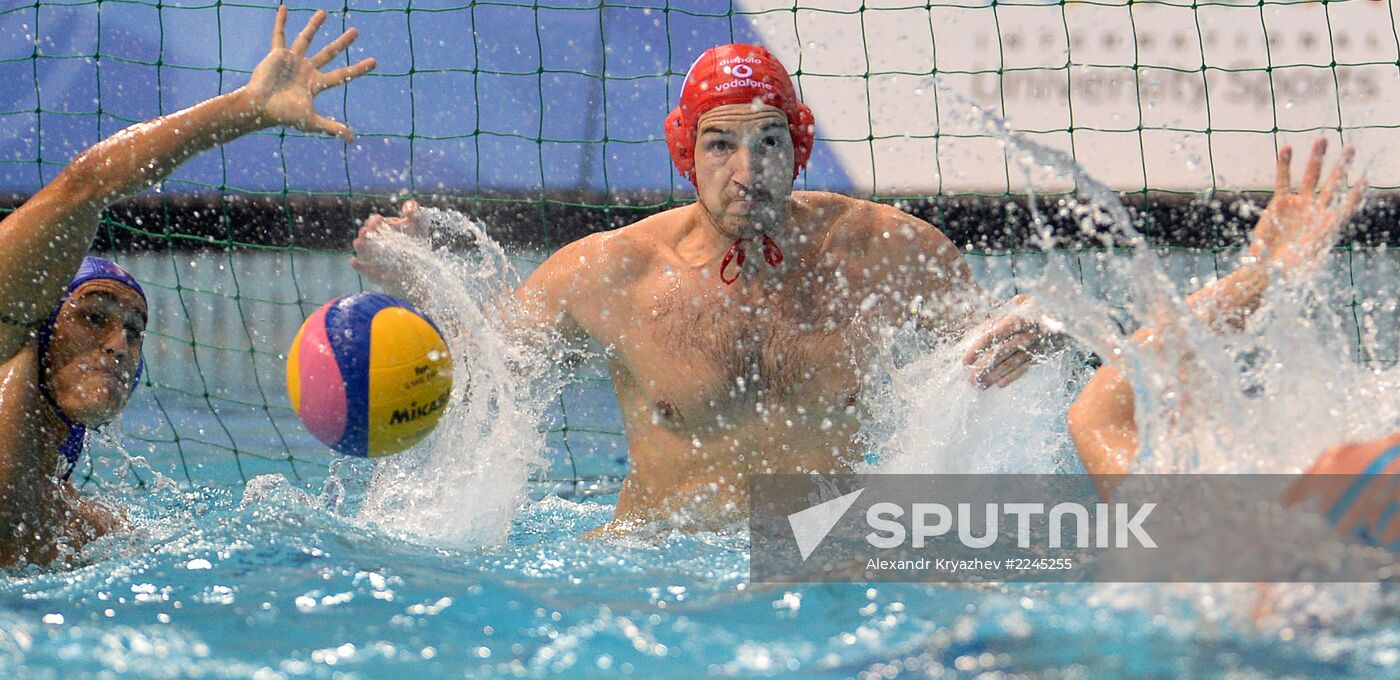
(698, 354)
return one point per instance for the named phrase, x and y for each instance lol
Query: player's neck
(53, 432)
(752, 251)
(718, 235)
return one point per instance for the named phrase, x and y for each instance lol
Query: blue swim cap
(92, 268)
(103, 268)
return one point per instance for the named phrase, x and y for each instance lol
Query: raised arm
(1292, 235)
(43, 241)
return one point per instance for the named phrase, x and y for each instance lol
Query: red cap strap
(772, 254)
(736, 252)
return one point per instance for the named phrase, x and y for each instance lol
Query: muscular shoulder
(613, 257)
(860, 228)
(601, 266)
(592, 279)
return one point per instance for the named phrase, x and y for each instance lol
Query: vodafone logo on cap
(740, 69)
(744, 82)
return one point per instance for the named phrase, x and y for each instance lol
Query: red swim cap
(736, 74)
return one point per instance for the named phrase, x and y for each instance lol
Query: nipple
(665, 409)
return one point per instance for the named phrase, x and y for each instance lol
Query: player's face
(743, 166)
(95, 351)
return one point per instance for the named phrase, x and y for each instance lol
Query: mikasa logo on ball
(414, 411)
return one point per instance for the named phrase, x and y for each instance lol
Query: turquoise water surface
(257, 566)
(265, 580)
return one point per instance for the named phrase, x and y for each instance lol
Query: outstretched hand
(1298, 227)
(285, 82)
(1014, 344)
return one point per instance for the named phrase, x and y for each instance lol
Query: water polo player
(1294, 233)
(71, 326)
(738, 328)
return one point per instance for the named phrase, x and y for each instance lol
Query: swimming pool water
(277, 577)
(267, 581)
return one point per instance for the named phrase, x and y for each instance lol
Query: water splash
(128, 470)
(464, 484)
(1206, 401)
(1267, 399)
(931, 420)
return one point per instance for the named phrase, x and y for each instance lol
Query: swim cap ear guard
(91, 268)
(736, 74)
